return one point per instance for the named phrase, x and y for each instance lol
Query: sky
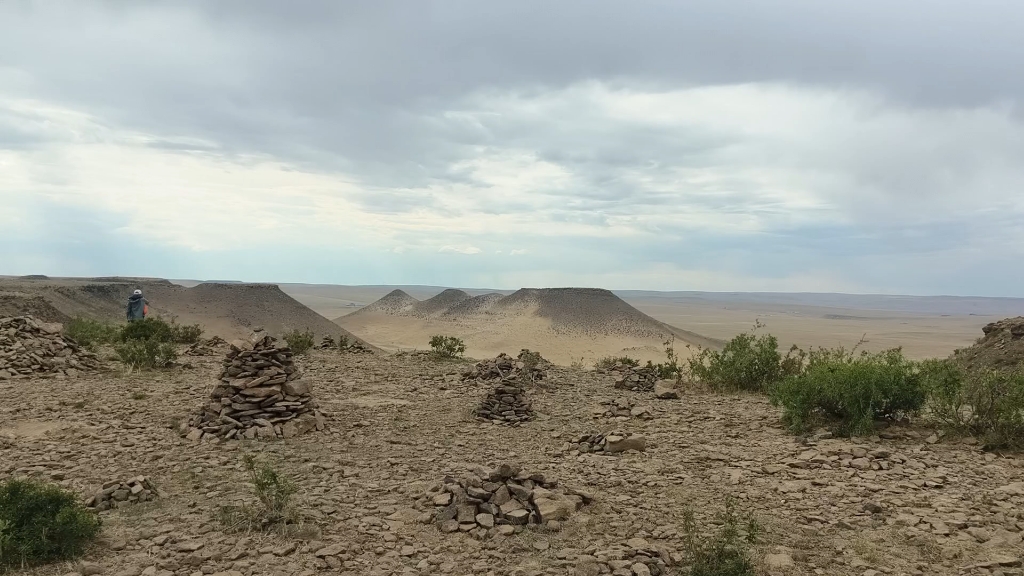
(792, 145)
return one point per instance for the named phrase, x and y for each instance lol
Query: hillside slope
(226, 310)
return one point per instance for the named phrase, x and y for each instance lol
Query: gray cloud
(828, 130)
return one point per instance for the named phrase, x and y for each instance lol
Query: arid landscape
(399, 424)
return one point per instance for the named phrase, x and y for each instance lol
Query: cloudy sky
(792, 145)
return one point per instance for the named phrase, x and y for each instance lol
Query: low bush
(186, 333)
(726, 552)
(670, 369)
(849, 392)
(139, 354)
(273, 491)
(448, 347)
(91, 333)
(747, 362)
(299, 341)
(609, 362)
(41, 523)
(154, 328)
(987, 404)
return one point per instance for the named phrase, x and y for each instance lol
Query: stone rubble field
(395, 427)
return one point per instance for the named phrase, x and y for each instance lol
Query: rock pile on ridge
(528, 366)
(506, 404)
(32, 348)
(121, 493)
(1001, 348)
(635, 378)
(259, 395)
(501, 501)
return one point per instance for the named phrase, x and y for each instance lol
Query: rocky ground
(904, 502)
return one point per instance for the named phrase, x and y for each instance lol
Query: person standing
(138, 306)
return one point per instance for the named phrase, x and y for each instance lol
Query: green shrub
(153, 328)
(849, 391)
(41, 523)
(273, 491)
(186, 334)
(987, 404)
(609, 362)
(447, 346)
(670, 369)
(300, 342)
(747, 362)
(140, 354)
(723, 553)
(91, 333)
(343, 342)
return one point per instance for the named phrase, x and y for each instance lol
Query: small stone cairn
(29, 347)
(527, 367)
(622, 409)
(607, 443)
(635, 378)
(259, 395)
(506, 404)
(345, 345)
(502, 501)
(120, 493)
(636, 555)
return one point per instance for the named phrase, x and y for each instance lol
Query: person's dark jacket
(136, 307)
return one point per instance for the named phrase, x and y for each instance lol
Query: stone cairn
(206, 347)
(636, 556)
(527, 367)
(32, 348)
(501, 501)
(259, 395)
(635, 378)
(622, 409)
(118, 494)
(606, 443)
(344, 344)
(506, 404)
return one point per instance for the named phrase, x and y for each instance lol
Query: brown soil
(1001, 348)
(894, 503)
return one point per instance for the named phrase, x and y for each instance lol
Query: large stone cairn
(259, 395)
(32, 348)
(635, 378)
(506, 404)
(527, 367)
(502, 501)
(606, 443)
(120, 493)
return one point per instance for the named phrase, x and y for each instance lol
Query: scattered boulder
(120, 493)
(507, 403)
(666, 390)
(501, 501)
(527, 367)
(32, 348)
(636, 557)
(259, 395)
(606, 443)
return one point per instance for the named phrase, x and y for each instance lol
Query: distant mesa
(34, 277)
(570, 311)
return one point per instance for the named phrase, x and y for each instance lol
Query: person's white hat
(137, 293)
